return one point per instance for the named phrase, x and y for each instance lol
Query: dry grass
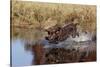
(36, 15)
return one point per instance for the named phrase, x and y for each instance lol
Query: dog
(58, 34)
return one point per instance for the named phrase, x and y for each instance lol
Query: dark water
(25, 53)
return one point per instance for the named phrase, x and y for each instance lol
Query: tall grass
(37, 15)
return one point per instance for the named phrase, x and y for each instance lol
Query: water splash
(82, 37)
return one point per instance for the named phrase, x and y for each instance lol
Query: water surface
(25, 53)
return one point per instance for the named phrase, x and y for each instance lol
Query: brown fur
(56, 34)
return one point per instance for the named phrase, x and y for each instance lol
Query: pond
(30, 48)
(20, 56)
(19, 41)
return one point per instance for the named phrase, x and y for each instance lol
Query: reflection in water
(26, 53)
(32, 49)
(39, 53)
(19, 55)
(63, 53)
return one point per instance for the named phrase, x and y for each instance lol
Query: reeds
(33, 15)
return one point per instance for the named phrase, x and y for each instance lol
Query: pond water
(20, 56)
(23, 49)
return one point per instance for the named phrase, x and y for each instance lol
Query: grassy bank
(36, 15)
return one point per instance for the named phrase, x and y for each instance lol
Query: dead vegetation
(33, 15)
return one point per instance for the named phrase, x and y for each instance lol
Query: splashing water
(82, 37)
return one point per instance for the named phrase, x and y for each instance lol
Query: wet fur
(57, 34)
